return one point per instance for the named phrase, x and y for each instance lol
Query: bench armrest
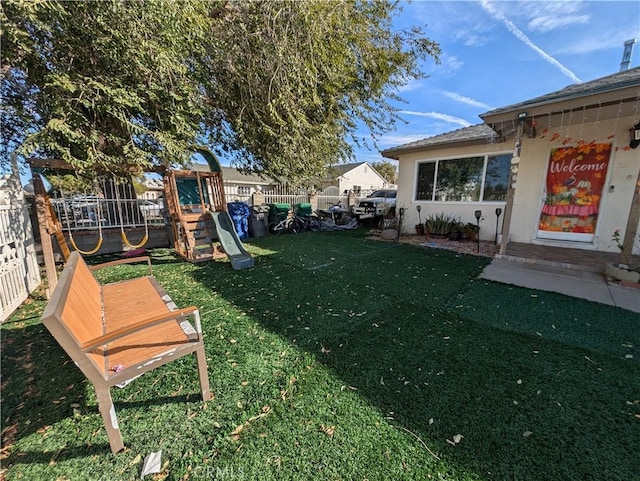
(137, 326)
(122, 261)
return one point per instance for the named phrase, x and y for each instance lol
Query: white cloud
(610, 38)
(546, 24)
(439, 116)
(475, 41)
(497, 14)
(546, 16)
(411, 85)
(466, 100)
(393, 140)
(449, 65)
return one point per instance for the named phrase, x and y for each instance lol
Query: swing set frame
(50, 225)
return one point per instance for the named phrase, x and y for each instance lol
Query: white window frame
(437, 160)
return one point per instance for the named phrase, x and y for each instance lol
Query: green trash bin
(303, 209)
(278, 211)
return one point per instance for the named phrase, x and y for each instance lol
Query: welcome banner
(575, 179)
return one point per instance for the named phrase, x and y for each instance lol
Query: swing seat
(116, 332)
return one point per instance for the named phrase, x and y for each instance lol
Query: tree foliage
(387, 170)
(279, 87)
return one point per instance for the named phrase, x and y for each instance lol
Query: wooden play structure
(190, 196)
(198, 214)
(48, 219)
(116, 332)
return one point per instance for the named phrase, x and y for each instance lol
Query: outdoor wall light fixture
(634, 134)
(478, 214)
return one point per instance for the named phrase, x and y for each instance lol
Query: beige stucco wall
(407, 178)
(622, 175)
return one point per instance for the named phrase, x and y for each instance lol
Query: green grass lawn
(337, 357)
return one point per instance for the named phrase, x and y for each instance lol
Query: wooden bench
(116, 332)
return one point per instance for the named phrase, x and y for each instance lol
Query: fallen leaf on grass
(455, 440)
(526, 434)
(235, 434)
(328, 430)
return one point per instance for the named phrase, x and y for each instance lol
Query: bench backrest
(74, 315)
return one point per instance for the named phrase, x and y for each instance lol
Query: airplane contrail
(466, 100)
(496, 13)
(439, 116)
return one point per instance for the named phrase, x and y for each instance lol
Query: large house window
(468, 179)
(496, 179)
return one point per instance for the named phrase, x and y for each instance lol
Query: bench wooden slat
(149, 344)
(130, 329)
(127, 302)
(82, 312)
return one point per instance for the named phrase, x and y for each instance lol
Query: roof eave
(396, 152)
(595, 94)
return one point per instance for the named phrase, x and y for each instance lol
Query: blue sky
(496, 53)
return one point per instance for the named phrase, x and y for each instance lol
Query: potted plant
(455, 234)
(470, 231)
(622, 270)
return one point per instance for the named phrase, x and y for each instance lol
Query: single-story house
(154, 189)
(563, 168)
(357, 178)
(237, 185)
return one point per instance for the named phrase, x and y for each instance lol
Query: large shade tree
(279, 87)
(387, 170)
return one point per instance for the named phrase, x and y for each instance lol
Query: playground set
(196, 212)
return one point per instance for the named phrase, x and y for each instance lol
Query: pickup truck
(379, 204)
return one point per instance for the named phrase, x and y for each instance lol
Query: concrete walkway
(575, 282)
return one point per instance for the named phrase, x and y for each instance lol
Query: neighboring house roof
(195, 167)
(233, 175)
(153, 184)
(341, 169)
(472, 133)
(610, 83)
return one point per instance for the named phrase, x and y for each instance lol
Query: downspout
(515, 161)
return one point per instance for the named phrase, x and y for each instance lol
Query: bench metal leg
(105, 404)
(201, 359)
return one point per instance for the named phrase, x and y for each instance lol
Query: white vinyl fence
(284, 194)
(19, 271)
(293, 195)
(330, 196)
